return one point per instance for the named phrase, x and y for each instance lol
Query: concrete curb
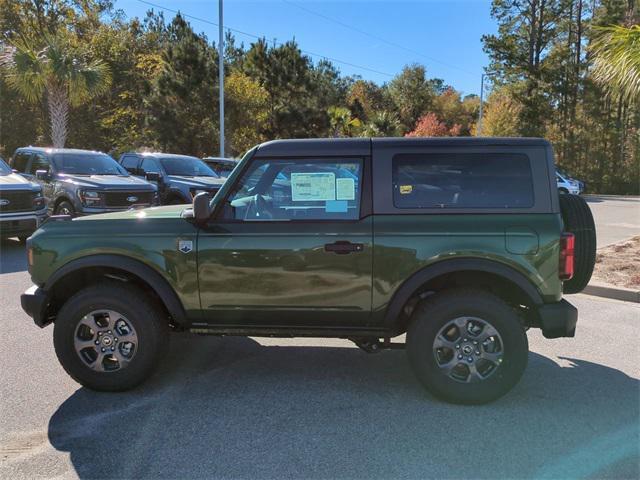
(616, 293)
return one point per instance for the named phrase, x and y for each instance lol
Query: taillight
(567, 255)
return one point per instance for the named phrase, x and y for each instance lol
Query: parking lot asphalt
(617, 218)
(318, 408)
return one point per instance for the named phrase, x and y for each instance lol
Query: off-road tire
(145, 315)
(431, 315)
(578, 220)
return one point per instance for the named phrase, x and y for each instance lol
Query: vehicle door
(39, 161)
(290, 245)
(151, 165)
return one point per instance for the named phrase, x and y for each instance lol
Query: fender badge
(185, 246)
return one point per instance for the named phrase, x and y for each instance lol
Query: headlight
(90, 198)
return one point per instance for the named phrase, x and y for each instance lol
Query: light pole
(479, 129)
(221, 75)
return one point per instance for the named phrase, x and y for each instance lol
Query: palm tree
(382, 124)
(342, 123)
(62, 71)
(616, 60)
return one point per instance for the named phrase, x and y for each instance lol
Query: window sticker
(336, 206)
(345, 189)
(406, 189)
(316, 186)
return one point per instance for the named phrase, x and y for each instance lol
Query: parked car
(22, 206)
(179, 177)
(567, 185)
(565, 175)
(82, 182)
(222, 166)
(461, 243)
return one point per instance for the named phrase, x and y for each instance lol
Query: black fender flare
(135, 267)
(413, 283)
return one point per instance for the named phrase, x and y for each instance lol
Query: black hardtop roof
(362, 146)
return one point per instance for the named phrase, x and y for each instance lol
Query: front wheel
(65, 208)
(467, 346)
(110, 336)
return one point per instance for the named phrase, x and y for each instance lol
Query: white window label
(345, 189)
(316, 186)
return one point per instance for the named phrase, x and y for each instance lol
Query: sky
(370, 38)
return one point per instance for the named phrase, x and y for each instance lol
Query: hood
(107, 182)
(168, 211)
(204, 182)
(15, 181)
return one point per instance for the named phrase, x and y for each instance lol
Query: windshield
(186, 167)
(4, 168)
(87, 164)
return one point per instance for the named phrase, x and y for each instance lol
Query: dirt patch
(619, 264)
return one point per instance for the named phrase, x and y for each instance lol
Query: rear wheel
(467, 346)
(110, 336)
(578, 220)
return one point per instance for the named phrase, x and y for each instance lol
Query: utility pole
(479, 129)
(221, 74)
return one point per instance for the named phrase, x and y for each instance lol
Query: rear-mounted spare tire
(578, 220)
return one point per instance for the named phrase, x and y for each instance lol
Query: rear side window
(462, 180)
(20, 161)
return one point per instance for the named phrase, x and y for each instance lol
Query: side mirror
(202, 207)
(153, 177)
(43, 175)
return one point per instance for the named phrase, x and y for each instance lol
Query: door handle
(343, 247)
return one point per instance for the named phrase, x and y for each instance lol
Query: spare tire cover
(578, 220)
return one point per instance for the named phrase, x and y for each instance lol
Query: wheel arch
(63, 197)
(86, 270)
(503, 280)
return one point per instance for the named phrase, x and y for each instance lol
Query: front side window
(314, 189)
(130, 163)
(38, 162)
(149, 165)
(88, 163)
(461, 180)
(186, 167)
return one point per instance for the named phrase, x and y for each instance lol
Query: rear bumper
(34, 303)
(558, 319)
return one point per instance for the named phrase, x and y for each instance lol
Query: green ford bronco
(461, 243)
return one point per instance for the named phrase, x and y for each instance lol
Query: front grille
(20, 201)
(125, 199)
